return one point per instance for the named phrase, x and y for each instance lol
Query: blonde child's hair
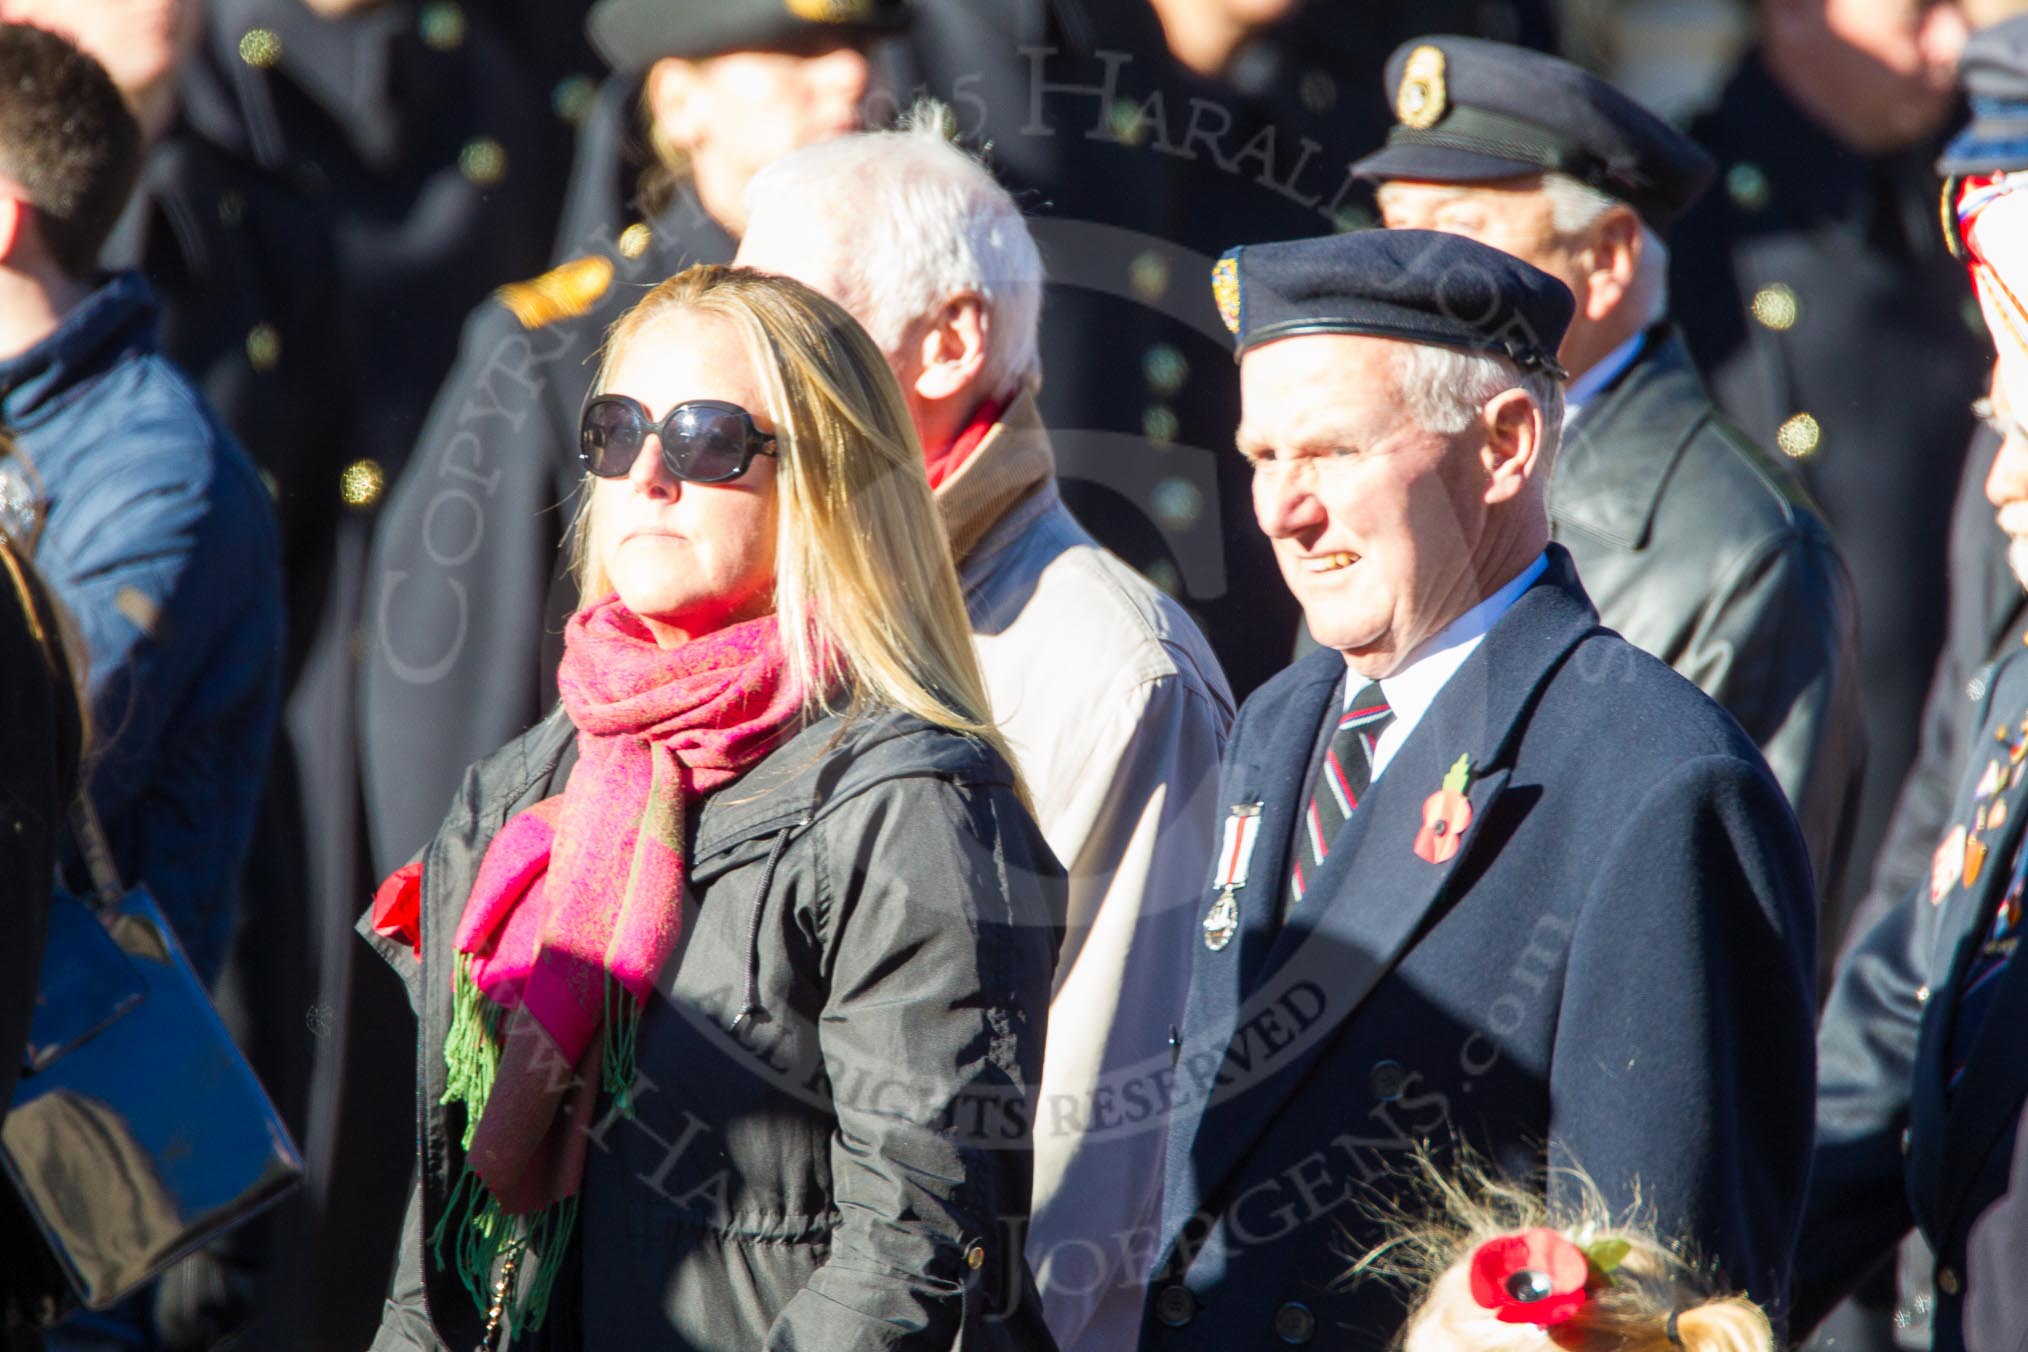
(1657, 1298)
(868, 600)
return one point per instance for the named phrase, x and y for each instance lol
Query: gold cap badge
(1225, 291)
(830, 11)
(1422, 99)
(561, 293)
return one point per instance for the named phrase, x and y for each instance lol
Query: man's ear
(953, 348)
(674, 86)
(1512, 455)
(1615, 259)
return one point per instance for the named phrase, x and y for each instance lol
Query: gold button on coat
(1775, 307)
(260, 48)
(1799, 436)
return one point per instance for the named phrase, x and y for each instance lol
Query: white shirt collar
(1412, 689)
(1603, 373)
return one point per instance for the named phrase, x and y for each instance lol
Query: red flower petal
(1495, 1261)
(1543, 1251)
(397, 906)
(1545, 1313)
(1445, 815)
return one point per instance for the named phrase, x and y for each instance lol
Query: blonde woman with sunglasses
(732, 975)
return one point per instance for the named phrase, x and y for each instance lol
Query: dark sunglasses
(703, 441)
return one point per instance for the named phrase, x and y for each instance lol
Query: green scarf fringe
(472, 1049)
(483, 1235)
(622, 1037)
(486, 1237)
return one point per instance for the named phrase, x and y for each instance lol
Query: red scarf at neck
(963, 446)
(577, 905)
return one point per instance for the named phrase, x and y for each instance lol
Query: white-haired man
(1499, 879)
(1115, 707)
(1692, 542)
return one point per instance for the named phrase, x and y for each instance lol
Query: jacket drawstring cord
(752, 1009)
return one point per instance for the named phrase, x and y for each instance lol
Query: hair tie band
(1675, 1338)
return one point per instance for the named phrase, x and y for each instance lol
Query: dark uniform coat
(1894, 1148)
(1699, 549)
(1819, 300)
(1618, 962)
(467, 593)
(852, 1170)
(1987, 620)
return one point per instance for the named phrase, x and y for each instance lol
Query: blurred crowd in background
(384, 237)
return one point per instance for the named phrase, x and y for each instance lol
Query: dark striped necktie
(1997, 942)
(1341, 782)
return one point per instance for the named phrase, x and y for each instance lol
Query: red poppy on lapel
(1445, 816)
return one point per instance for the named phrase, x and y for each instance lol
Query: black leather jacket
(1703, 551)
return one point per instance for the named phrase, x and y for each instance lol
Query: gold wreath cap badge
(830, 11)
(1225, 290)
(1423, 98)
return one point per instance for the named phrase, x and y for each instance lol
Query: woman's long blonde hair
(1457, 1208)
(865, 592)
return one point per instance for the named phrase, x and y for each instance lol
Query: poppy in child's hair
(1536, 1277)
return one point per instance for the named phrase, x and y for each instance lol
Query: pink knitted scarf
(576, 907)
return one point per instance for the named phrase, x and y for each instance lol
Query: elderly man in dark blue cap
(1693, 544)
(1924, 1093)
(1490, 874)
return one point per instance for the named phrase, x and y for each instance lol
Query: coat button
(1748, 186)
(1947, 1281)
(1905, 1139)
(483, 161)
(260, 48)
(1775, 307)
(1175, 1306)
(263, 346)
(1294, 1324)
(1922, 995)
(1387, 1080)
(975, 1257)
(1799, 437)
(362, 483)
(442, 25)
(1148, 275)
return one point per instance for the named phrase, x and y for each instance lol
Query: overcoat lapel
(1373, 894)
(1950, 1134)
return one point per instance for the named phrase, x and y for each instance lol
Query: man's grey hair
(913, 220)
(1575, 207)
(1445, 388)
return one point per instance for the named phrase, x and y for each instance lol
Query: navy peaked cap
(1994, 74)
(1471, 111)
(633, 34)
(1418, 286)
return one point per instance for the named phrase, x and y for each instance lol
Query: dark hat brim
(630, 35)
(1986, 147)
(1440, 164)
